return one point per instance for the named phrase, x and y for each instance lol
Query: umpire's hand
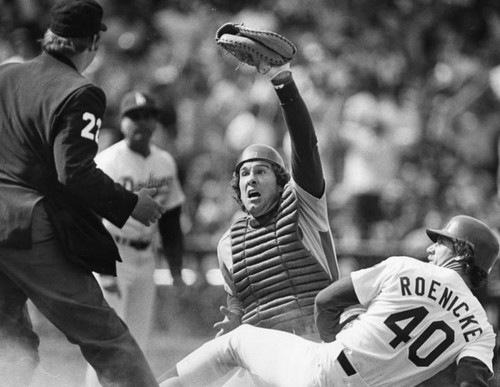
(147, 210)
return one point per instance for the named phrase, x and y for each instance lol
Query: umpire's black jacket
(50, 116)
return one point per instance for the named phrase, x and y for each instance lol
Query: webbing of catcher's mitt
(253, 46)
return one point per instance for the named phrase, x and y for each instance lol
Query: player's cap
(135, 101)
(259, 152)
(76, 18)
(483, 240)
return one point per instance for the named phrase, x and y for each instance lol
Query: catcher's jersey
(316, 235)
(404, 343)
(134, 172)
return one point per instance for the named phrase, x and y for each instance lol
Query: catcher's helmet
(259, 152)
(484, 242)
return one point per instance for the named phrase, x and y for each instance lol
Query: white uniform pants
(274, 358)
(242, 378)
(137, 292)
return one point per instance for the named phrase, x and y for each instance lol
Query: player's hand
(147, 210)
(231, 321)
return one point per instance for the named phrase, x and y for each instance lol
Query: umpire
(51, 199)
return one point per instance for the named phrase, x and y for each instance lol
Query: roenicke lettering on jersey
(446, 299)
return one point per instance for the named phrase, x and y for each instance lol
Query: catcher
(420, 317)
(281, 254)
(278, 257)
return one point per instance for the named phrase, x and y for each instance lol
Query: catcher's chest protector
(276, 278)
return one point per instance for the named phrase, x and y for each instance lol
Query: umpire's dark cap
(76, 18)
(137, 100)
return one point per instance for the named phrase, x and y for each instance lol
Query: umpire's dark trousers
(72, 300)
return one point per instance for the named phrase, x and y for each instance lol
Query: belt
(136, 244)
(346, 364)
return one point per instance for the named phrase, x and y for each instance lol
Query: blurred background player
(370, 162)
(136, 163)
(420, 318)
(52, 195)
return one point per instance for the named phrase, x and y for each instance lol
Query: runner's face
(440, 252)
(259, 188)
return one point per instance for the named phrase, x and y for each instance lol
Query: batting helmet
(259, 152)
(484, 242)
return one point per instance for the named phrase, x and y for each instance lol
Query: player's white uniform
(393, 344)
(440, 321)
(135, 273)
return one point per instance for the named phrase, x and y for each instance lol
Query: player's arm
(305, 159)
(329, 305)
(172, 238)
(233, 313)
(76, 128)
(472, 372)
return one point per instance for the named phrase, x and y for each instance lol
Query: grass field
(183, 322)
(62, 364)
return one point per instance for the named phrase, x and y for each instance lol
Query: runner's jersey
(441, 321)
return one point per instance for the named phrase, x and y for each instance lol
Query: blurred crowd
(404, 95)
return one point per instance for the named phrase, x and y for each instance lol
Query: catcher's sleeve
(234, 305)
(307, 170)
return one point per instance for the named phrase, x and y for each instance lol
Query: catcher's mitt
(253, 46)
